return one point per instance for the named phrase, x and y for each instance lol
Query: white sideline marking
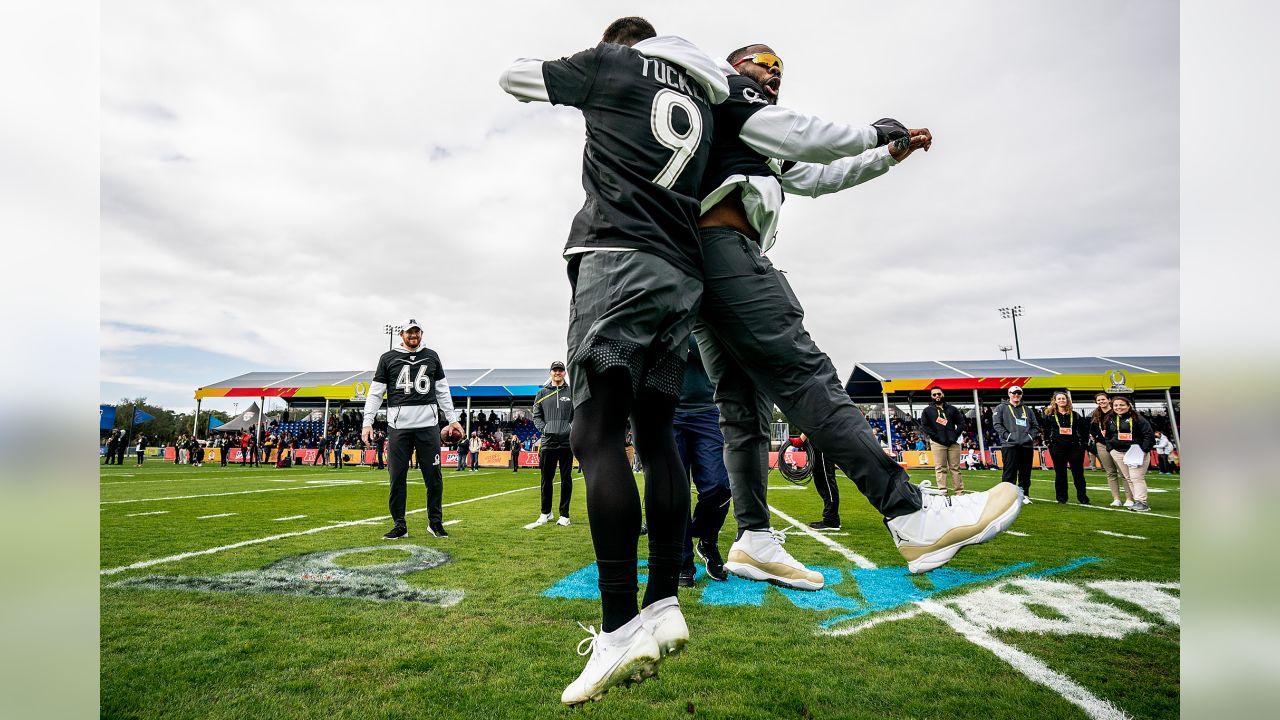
(1015, 533)
(206, 517)
(257, 541)
(208, 478)
(1123, 510)
(533, 525)
(1119, 535)
(848, 554)
(450, 522)
(1149, 489)
(873, 622)
(786, 487)
(285, 480)
(1032, 668)
(237, 492)
(334, 482)
(291, 517)
(153, 512)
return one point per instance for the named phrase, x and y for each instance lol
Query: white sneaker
(931, 536)
(1026, 500)
(626, 655)
(563, 521)
(758, 555)
(1115, 503)
(1128, 503)
(543, 519)
(665, 622)
(926, 486)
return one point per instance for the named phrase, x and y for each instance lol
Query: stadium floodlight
(1005, 349)
(1013, 313)
(392, 331)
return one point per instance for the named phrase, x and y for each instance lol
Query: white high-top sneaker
(626, 655)
(665, 622)
(758, 555)
(931, 536)
(543, 519)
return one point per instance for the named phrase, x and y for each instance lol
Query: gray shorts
(632, 310)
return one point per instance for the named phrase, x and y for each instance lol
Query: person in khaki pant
(943, 423)
(1099, 439)
(1124, 428)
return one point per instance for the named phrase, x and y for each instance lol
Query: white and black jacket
(416, 389)
(553, 415)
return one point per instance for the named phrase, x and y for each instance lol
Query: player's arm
(783, 133)
(444, 398)
(566, 81)
(524, 81)
(539, 419)
(814, 179)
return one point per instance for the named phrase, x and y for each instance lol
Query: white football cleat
(758, 555)
(626, 655)
(932, 535)
(665, 622)
(563, 521)
(542, 520)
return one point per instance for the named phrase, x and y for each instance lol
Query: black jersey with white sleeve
(415, 385)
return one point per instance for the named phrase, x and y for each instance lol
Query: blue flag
(141, 416)
(106, 417)
(214, 422)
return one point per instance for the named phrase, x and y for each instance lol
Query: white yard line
(237, 492)
(206, 517)
(848, 554)
(219, 478)
(787, 487)
(1120, 509)
(291, 517)
(1119, 535)
(311, 531)
(450, 522)
(1028, 665)
(873, 622)
(1015, 533)
(153, 512)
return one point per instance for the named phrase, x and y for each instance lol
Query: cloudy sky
(279, 180)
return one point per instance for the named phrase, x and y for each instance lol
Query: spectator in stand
(195, 452)
(338, 442)
(1163, 448)
(267, 444)
(244, 448)
(224, 449)
(942, 423)
(1098, 438)
(255, 449)
(1017, 428)
(1066, 434)
(322, 449)
(140, 448)
(513, 445)
(1125, 429)
(474, 447)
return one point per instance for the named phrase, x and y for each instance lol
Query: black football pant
(1065, 458)
(401, 445)
(1016, 460)
(824, 481)
(757, 352)
(598, 437)
(548, 461)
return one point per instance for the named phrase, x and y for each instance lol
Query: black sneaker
(437, 529)
(710, 554)
(644, 529)
(685, 578)
(822, 525)
(396, 533)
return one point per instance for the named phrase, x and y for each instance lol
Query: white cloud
(279, 180)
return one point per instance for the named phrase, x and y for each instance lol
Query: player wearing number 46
(413, 378)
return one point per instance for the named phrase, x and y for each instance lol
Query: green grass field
(1017, 628)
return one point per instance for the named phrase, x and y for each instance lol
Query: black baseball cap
(557, 365)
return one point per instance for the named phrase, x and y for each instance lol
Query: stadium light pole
(1005, 349)
(1013, 313)
(391, 331)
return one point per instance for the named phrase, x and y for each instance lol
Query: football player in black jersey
(413, 378)
(634, 269)
(752, 335)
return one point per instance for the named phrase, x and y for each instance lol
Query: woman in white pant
(1126, 429)
(1099, 439)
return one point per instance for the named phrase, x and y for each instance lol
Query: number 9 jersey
(649, 127)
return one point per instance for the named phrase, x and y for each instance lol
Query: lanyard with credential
(1057, 417)
(1015, 415)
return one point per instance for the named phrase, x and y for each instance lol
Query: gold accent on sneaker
(775, 569)
(997, 505)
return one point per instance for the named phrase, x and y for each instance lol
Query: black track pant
(824, 481)
(1017, 466)
(550, 459)
(1065, 458)
(613, 503)
(401, 444)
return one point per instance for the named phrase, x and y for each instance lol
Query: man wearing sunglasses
(943, 423)
(752, 336)
(1017, 427)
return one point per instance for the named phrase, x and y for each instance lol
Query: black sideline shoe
(710, 554)
(438, 530)
(396, 533)
(822, 525)
(685, 578)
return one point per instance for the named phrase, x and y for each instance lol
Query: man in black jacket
(553, 416)
(1017, 427)
(943, 423)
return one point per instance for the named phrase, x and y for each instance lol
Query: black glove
(889, 130)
